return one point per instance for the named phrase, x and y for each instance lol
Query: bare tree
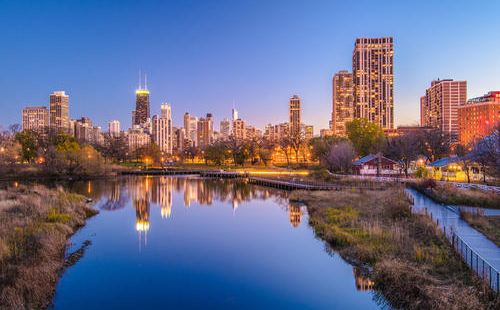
(434, 144)
(284, 146)
(340, 156)
(487, 153)
(297, 141)
(404, 149)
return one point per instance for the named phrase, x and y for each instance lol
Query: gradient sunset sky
(200, 56)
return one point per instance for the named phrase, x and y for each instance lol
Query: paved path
(449, 219)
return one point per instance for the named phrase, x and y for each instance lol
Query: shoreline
(38, 222)
(410, 261)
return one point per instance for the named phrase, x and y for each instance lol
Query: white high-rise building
(114, 128)
(225, 129)
(162, 129)
(234, 113)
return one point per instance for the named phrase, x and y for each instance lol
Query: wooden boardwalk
(292, 185)
(279, 183)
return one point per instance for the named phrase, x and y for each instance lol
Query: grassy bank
(409, 259)
(35, 224)
(488, 225)
(450, 194)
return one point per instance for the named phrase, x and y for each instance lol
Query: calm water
(186, 242)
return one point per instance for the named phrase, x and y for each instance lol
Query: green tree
(216, 153)
(366, 136)
(29, 144)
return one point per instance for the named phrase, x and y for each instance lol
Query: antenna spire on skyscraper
(145, 81)
(140, 78)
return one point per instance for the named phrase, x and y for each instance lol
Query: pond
(188, 242)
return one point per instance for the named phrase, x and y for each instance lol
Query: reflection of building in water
(162, 195)
(363, 282)
(116, 199)
(89, 187)
(141, 215)
(235, 205)
(140, 193)
(295, 214)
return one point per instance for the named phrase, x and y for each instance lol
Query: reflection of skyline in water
(152, 200)
(142, 191)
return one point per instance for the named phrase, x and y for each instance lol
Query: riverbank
(408, 258)
(488, 225)
(36, 223)
(450, 194)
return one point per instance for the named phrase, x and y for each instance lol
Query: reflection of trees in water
(362, 279)
(117, 198)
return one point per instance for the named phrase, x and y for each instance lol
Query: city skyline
(201, 77)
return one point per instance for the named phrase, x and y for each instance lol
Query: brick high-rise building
(342, 102)
(373, 80)
(205, 131)
(59, 111)
(478, 117)
(294, 113)
(440, 105)
(36, 119)
(239, 129)
(162, 129)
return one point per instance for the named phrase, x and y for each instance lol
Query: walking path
(448, 218)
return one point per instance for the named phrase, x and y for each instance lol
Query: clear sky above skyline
(201, 55)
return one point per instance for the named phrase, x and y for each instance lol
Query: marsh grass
(35, 223)
(413, 265)
(450, 194)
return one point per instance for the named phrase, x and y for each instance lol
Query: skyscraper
(239, 131)
(59, 111)
(225, 129)
(294, 113)
(141, 113)
(234, 114)
(162, 129)
(36, 119)
(114, 128)
(440, 106)
(191, 128)
(372, 69)
(205, 131)
(342, 102)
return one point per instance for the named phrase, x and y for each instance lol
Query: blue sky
(202, 55)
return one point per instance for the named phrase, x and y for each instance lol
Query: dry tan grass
(414, 267)
(35, 223)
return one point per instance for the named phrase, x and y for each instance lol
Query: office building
(191, 128)
(478, 118)
(440, 105)
(225, 129)
(142, 112)
(373, 79)
(342, 102)
(162, 129)
(36, 119)
(114, 128)
(239, 129)
(205, 131)
(59, 111)
(137, 138)
(294, 115)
